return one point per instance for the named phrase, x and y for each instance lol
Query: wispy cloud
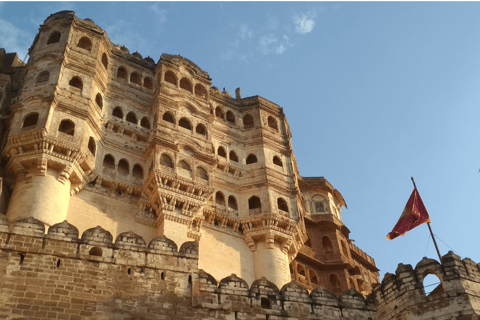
(305, 23)
(266, 43)
(14, 39)
(161, 14)
(245, 32)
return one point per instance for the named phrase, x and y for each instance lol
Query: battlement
(46, 275)
(402, 295)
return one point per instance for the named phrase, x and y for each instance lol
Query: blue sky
(374, 93)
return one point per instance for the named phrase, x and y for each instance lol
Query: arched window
(166, 161)
(200, 129)
(272, 123)
(122, 73)
(167, 116)
(91, 146)
(200, 91)
(232, 203)
(145, 123)
(30, 120)
(184, 165)
(117, 112)
(432, 284)
(233, 156)
(313, 277)
(282, 204)
(230, 117)
(184, 123)
(327, 245)
(76, 82)
(202, 173)
(221, 152)
(54, 37)
(148, 83)
(131, 117)
(308, 243)
(248, 121)
(277, 161)
(170, 77)
(254, 203)
(136, 78)
(67, 127)
(219, 113)
(334, 283)
(123, 167)
(301, 270)
(219, 198)
(137, 171)
(251, 158)
(185, 84)
(85, 43)
(319, 203)
(99, 100)
(43, 77)
(105, 60)
(109, 161)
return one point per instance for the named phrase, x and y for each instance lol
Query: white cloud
(280, 49)
(305, 23)
(14, 39)
(245, 32)
(266, 43)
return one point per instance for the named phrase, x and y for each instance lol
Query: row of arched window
(302, 271)
(135, 77)
(185, 123)
(84, 42)
(185, 84)
(131, 117)
(166, 161)
(248, 122)
(123, 166)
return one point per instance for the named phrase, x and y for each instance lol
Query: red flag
(413, 215)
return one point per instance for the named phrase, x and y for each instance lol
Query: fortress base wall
(58, 275)
(222, 254)
(89, 209)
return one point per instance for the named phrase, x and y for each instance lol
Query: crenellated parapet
(402, 295)
(93, 274)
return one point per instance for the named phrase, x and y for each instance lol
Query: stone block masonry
(59, 275)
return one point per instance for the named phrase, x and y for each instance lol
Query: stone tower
(101, 136)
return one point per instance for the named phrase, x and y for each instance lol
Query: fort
(200, 190)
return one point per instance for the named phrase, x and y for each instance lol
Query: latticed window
(319, 207)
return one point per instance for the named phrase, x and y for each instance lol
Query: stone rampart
(402, 295)
(62, 275)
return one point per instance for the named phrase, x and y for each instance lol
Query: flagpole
(431, 233)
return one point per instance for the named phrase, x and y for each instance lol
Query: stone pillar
(42, 197)
(271, 263)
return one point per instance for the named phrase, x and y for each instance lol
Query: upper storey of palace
(109, 101)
